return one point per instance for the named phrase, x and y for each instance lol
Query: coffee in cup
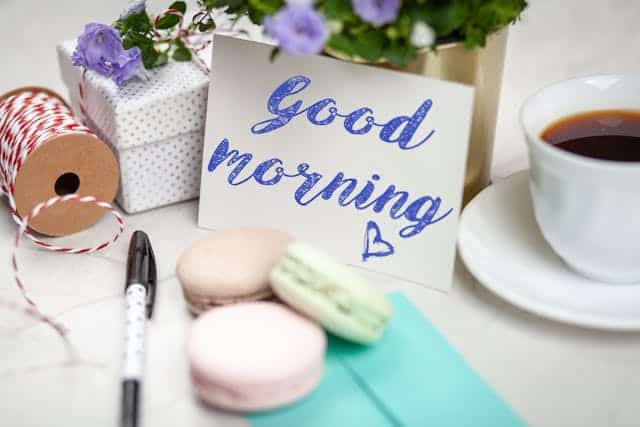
(605, 134)
(583, 137)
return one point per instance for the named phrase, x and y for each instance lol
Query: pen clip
(152, 281)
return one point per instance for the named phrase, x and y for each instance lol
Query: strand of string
(196, 42)
(29, 119)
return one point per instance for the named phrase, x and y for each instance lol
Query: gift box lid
(172, 102)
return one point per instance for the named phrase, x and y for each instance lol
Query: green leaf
(274, 54)
(403, 24)
(232, 5)
(359, 29)
(342, 44)
(180, 6)
(369, 45)
(149, 58)
(392, 32)
(255, 16)
(338, 9)
(443, 17)
(181, 54)
(199, 16)
(474, 37)
(212, 4)
(266, 7)
(167, 22)
(400, 55)
(206, 26)
(143, 41)
(161, 59)
(146, 45)
(127, 43)
(139, 23)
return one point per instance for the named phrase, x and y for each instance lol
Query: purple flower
(298, 29)
(134, 7)
(100, 49)
(128, 65)
(376, 12)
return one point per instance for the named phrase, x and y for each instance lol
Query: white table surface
(552, 374)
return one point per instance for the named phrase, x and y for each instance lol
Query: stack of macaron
(262, 299)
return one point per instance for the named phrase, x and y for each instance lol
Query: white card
(361, 161)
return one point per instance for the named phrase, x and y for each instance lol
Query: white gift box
(155, 127)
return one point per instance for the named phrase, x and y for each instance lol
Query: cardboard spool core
(68, 164)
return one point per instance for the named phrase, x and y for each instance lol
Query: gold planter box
(482, 69)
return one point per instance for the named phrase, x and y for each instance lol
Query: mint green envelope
(338, 401)
(411, 378)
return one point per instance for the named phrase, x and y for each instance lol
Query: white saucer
(501, 245)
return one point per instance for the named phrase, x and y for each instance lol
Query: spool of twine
(59, 178)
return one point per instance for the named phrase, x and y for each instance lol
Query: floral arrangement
(375, 30)
(371, 30)
(136, 42)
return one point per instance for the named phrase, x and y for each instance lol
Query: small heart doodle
(374, 244)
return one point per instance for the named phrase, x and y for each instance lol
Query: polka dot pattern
(135, 312)
(161, 173)
(155, 127)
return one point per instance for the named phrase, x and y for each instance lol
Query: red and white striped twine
(185, 35)
(29, 119)
(83, 108)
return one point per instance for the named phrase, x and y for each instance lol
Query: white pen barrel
(135, 314)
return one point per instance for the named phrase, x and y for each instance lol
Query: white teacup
(588, 209)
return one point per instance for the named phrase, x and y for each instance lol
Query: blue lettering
(312, 112)
(411, 124)
(263, 167)
(352, 118)
(422, 221)
(400, 130)
(292, 86)
(363, 196)
(389, 194)
(222, 153)
(419, 213)
(310, 181)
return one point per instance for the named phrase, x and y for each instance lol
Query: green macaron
(330, 293)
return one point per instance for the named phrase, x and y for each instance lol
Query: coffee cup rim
(534, 139)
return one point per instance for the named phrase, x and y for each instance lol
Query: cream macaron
(230, 266)
(254, 356)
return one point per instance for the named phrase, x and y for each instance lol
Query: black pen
(140, 291)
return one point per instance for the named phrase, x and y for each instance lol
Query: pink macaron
(255, 356)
